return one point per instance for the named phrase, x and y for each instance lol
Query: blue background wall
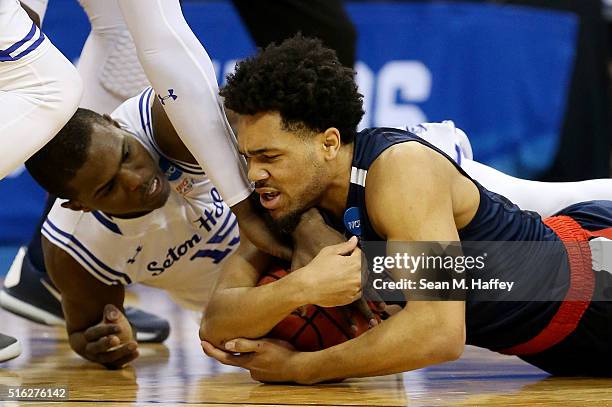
(501, 73)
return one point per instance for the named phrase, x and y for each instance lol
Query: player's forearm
(182, 74)
(250, 312)
(407, 341)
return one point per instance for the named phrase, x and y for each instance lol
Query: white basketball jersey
(178, 248)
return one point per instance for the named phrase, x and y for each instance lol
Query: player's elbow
(442, 350)
(443, 340)
(209, 332)
(449, 344)
(204, 333)
(452, 350)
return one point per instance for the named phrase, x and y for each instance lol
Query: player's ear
(331, 143)
(75, 206)
(110, 119)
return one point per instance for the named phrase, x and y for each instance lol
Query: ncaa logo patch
(172, 173)
(352, 221)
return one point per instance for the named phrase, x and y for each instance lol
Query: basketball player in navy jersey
(299, 111)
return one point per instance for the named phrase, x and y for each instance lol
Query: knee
(104, 16)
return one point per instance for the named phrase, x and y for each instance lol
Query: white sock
(545, 198)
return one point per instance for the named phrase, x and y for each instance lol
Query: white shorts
(20, 40)
(39, 88)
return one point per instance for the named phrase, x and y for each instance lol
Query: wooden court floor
(178, 373)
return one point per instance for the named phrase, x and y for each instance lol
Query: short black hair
(303, 81)
(56, 164)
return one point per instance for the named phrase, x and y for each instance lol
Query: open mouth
(269, 200)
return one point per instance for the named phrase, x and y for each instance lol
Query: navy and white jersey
(20, 39)
(497, 219)
(178, 248)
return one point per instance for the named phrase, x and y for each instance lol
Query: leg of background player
(39, 94)
(275, 20)
(545, 198)
(108, 64)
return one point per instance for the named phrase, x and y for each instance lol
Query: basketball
(318, 327)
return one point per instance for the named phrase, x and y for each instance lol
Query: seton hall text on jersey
(174, 254)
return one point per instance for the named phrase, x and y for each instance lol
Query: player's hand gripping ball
(312, 327)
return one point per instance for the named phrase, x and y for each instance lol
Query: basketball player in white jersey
(39, 90)
(139, 210)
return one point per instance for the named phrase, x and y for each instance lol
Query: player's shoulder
(79, 228)
(410, 158)
(134, 114)
(90, 239)
(62, 220)
(411, 167)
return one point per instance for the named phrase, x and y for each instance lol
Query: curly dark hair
(303, 81)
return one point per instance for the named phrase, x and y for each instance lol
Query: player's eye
(109, 187)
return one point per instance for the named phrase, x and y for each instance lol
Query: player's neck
(335, 195)
(129, 215)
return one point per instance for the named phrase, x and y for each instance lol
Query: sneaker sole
(28, 311)
(149, 337)
(14, 272)
(10, 352)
